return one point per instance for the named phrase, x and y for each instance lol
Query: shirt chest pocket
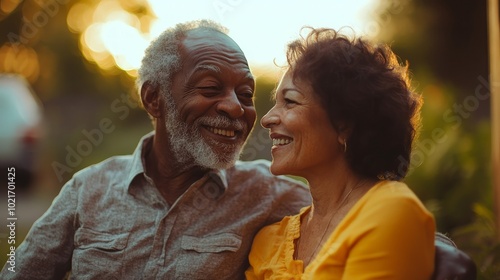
(216, 256)
(98, 253)
(212, 244)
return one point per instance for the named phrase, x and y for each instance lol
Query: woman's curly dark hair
(364, 86)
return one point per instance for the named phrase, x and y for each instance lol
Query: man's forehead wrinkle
(245, 75)
(211, 54)
(207, 39)
(210, 35)
(208, 59)
(212, 51)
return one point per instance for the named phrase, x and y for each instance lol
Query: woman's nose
(270, 119)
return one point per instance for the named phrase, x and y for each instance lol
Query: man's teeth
(277, 141)
(223, 132)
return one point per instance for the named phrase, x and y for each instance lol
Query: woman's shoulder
(392, 190)
(389, 196)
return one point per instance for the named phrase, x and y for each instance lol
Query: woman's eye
(289, 101)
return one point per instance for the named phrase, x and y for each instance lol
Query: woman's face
(304, 141)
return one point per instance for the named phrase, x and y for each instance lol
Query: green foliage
(452, 172)
(480, 240)
(451, 166)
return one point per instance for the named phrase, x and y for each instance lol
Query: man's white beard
(189, 146)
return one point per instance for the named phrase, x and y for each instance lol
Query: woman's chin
(277, 169)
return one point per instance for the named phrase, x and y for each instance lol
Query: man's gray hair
(162, 58)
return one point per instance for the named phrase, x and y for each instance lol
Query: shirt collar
(220, 178)
(137, 165)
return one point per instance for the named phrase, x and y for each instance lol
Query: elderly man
(181, 206)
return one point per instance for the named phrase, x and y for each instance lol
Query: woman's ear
(344, 131)
(151, 99)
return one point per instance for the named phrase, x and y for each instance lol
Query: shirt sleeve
(47, 249)
(293, 196)
(397, 242)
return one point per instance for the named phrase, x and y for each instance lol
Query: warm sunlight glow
(262, 28)
(127, 45)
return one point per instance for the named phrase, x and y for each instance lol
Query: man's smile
(222, 131)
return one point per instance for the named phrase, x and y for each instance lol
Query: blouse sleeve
(396, 243)
(262, 249)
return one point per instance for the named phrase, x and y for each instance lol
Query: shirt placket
(166, 222)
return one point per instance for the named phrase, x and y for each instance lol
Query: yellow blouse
(388, 234)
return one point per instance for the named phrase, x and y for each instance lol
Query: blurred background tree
(445, 42)
(449, 59)
(77, 93)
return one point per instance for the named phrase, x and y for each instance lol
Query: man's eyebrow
(249, 76)
(207, 67)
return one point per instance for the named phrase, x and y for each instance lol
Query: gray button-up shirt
(110, 222)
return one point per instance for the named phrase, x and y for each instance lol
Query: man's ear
(150, 97)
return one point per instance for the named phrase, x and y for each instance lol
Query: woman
(345, 119)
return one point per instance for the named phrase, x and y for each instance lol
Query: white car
(20, 129)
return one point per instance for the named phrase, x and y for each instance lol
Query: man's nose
(230, 106)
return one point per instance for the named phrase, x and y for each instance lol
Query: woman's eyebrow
(273, 94)
(286, 90)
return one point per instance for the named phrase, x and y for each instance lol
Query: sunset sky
(110, 35)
